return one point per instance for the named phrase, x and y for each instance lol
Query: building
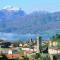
(53, 47)
(38, 44)
(54, 50)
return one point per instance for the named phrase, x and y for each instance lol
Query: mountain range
(37, 22)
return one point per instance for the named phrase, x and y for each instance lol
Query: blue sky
(32, 5)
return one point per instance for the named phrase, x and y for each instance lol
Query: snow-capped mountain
(11, 8)
(14, 20)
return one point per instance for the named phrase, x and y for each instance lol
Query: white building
(53, 48)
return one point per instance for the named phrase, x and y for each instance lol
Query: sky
(32, 5)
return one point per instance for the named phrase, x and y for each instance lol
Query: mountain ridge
(34, 23)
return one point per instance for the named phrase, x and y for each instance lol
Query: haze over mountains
(39, 22)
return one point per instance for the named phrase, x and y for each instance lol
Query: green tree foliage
(40, 56)
(56, 38)
(26, 57)
(16, 59)
(37, 56)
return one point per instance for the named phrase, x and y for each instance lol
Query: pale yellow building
(53, 47)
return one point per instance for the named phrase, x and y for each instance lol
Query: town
(29, 29)
(31, 50)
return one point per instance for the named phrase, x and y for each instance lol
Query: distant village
(31, 49)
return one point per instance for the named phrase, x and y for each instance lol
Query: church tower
(38, 44)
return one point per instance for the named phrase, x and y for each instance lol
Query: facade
(53, 47)
(38, 44)
(54, 51)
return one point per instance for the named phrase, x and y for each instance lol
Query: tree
(17, 42)
(40, 56)
(26, 57)
(56, 38)
(16, 59)
(37, 56)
